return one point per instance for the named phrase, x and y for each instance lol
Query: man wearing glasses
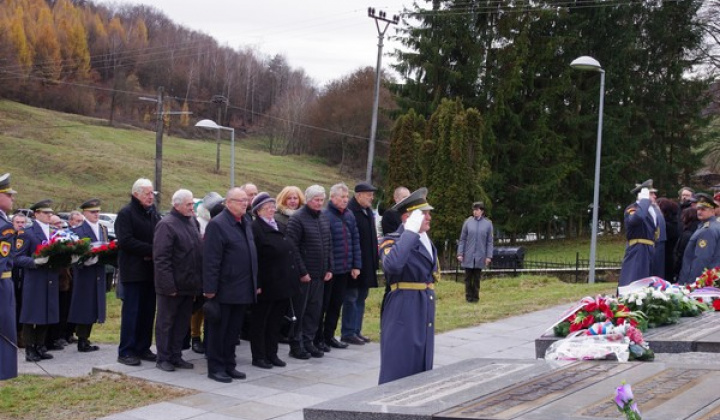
(8, 332)
(41, 286)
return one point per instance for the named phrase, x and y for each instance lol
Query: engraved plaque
(453, 384)
(530, 394)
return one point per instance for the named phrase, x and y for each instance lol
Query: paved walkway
(282, 393)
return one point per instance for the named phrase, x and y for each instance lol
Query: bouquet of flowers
(598, 309)
(709, 278)
(107, 253)
(639, 348)
(62, 249)
(625, 401)
(663, 307)
(707, 296)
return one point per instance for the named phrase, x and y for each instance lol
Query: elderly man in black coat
(230, 279)
(357, 289)
(177, 251)
(309, 230)
(135, 230)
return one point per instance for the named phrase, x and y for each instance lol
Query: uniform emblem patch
(702, 243)
(387, 250)
(5, 248)
(19, 243)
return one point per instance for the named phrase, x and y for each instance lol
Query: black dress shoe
(128, 360)
(198, 346)
(334, 343)
(220, 377)
(275, 361)
(262, 364)
(182, 364)
(236, 374)
(149, 356)
(54, 346)
(299, 354)
(322, 347)
(42, 351)
(84, 346)
(363, 338)
(165, 365)
(31, 355)
(314, 351)
(352, 340)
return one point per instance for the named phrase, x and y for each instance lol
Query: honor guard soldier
(409, 260)
(640, 226)
(41, 289)
(8, 332)
(702, 251)
(87, 306)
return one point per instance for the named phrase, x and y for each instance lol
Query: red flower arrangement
(709, 278)
(61, 250)
(107, 253)
(599, 309)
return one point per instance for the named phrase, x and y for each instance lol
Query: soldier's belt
(404, 285)
(641, 241)
(6, 275)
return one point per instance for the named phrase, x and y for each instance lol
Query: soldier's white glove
(41, 260)
(644, 194)
(415, 220)
(91, 261)
(74, 259)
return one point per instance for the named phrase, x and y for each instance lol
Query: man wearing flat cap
(357, 289)
(703, 248)
(8, 331)
(640, 226)
(87, 305)
(475, 249)
(41, 286)
(407, 324)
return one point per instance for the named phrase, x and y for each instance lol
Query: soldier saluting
(640, 226)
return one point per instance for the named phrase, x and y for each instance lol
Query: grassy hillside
(71, 158)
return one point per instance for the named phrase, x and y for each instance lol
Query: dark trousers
(221, 337)
(83, 331)
(308, 307)
(265, 327)
(333, 297)
(171, 326)
(34, 334)
(138, 314)
(472, 284)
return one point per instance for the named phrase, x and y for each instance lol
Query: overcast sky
(327, 38)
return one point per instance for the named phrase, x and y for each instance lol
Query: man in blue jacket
(407, 324)
(229, 278)
(703, 249)
(8, 331)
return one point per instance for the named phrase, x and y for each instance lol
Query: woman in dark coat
(278, 281)
(690, 223)
(670, 211)
(288, 202)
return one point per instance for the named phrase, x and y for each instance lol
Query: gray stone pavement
(282, 393)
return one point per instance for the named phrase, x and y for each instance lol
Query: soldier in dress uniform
(640, 227)
(407, 324)
(703, 248)
(87, 306)
(8, 332)
(41, 286)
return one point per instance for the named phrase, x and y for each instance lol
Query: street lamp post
(587, 63)
(210, 124)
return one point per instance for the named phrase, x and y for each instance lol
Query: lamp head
(207, 124)
(586, 63)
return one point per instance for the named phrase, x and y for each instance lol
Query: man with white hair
(135, 230)
(309, 230)
(177, 253)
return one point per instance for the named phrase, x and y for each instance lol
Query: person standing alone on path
(475, 250)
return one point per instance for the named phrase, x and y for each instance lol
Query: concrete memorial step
(495, 389)
(694, 334)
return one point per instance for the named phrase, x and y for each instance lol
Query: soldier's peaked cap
(415, 201)
(647, 184)
(92, 204)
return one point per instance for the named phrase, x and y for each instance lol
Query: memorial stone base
(495, 389)
(696, 334)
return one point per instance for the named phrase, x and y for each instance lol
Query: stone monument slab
(694, 334)
(495, 389)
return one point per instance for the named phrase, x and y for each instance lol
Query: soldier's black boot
(84, 346)
(31, 355)
(42, 351)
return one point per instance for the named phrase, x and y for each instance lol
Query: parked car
(108, 220)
